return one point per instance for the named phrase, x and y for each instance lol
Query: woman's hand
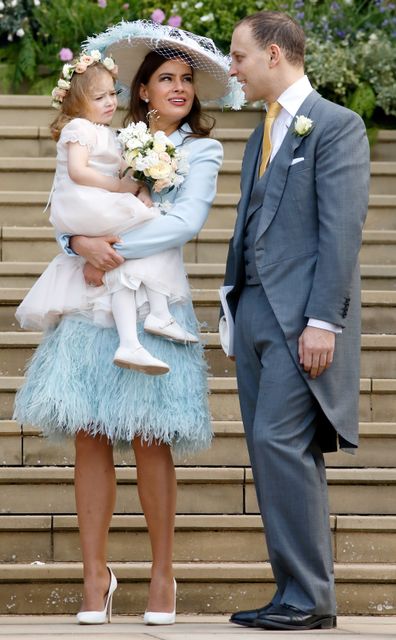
(93, 276)
(127, 185)
(97, 251)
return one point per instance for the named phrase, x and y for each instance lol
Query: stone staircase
(220, 561)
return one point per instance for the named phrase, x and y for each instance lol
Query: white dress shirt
(291, 100)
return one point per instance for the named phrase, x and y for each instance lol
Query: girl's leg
(123, 306)
(131, 354)
(161, 322)
(156, 480)
(95, 489)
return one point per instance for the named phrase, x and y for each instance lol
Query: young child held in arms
(90, 198)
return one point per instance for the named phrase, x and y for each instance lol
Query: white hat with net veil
(129, 43)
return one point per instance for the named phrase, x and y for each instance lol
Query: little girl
(89, 198)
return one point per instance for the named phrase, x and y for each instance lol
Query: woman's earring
(147, 100)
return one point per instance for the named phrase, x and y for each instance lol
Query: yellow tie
(273, 111)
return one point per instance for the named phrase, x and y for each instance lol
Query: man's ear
(274, 55)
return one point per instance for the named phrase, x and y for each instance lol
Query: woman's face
(171, 93)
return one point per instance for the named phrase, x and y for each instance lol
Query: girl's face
(102, 101)
(170, 92)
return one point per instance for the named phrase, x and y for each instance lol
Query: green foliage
(363, 101)
(350, 55)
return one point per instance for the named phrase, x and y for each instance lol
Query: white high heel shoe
(169, 329)
(99, 617)
(161, 617)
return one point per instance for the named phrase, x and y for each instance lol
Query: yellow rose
(160, 171)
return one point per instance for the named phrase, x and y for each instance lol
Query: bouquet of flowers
(152, 157)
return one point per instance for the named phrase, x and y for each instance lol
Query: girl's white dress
(91, 211)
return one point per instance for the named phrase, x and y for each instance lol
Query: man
(293, 268)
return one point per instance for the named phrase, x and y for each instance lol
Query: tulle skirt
(72, 385)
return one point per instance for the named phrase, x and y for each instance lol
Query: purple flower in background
(102, 4)
(158, 16)
(300, 16)
(65, 54)
(341, 34)
(175, 21)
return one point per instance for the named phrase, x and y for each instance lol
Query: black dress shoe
(248, 618)
(288, 618)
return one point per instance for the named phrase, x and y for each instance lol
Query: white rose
(160, 171)
(63, 84)
(303, 125)
(109, 63)
(20, 33)
(36, 3)
(67, 71)
(158, 146)
(95, 54)
(130, 157)
(133, 143)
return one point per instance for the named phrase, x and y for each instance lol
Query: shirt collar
(292, 99)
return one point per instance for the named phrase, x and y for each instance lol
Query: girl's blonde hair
(75, 102)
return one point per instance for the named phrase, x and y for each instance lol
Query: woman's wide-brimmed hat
(129, 43)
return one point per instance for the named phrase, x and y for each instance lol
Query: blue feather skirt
(72, 384)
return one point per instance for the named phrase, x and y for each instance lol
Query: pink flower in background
(102, 4)
(65, 54)
(158, 16)
(125, 6)
(175, 21)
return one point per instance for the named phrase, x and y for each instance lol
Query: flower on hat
(303, 126)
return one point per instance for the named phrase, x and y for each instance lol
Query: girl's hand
(127, 185)
(97, 251)
(93, 276)
(144, 196)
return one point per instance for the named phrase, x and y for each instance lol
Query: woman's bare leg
(157, 492)
(95, 488)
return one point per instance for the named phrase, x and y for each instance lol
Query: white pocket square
(297, 160)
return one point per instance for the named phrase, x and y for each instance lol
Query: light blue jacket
(191, 203)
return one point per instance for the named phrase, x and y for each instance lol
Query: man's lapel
(247, 178)
(275, 186)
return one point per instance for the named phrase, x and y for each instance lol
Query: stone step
(36, 111)
(36, 141)
(201, 275)
(55, 588)
(25, 208)
(198, 538)
(378, 309)
(378, 355)
(39, 244)
(50, 490)
(38, 174)
(377, 398)
(23, 445)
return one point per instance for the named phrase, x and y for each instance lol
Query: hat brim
(211, 79)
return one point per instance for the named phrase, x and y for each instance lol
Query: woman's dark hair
(201, 123)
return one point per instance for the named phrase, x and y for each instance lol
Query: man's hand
(92, 275)
(316, 350)
(98, 252)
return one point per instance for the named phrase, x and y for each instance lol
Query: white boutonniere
(303, 126)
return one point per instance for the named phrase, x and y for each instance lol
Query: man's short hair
(274, 27)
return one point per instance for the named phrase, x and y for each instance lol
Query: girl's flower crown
(80, 66)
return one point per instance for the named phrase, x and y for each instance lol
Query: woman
(81, 393)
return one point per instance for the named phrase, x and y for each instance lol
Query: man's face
(250, 64)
